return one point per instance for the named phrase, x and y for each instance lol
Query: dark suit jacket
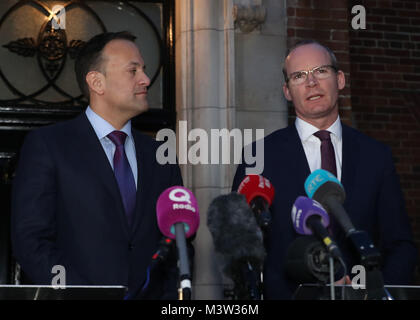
(373, 202)
(67, 210)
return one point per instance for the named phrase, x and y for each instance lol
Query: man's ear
(96, 82)
(287, 92)
(341, 80)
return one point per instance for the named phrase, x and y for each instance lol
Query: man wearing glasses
(374, 200)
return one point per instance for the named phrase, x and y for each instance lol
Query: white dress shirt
(312, 145)
(102, 129)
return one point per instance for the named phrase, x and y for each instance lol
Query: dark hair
(90, 57)
(306, 42)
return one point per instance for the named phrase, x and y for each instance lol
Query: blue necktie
(124, 175)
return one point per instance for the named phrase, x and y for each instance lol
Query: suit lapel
(350, 156)
(145, 180)
(93, 156)
(299, 165)
(288, 170)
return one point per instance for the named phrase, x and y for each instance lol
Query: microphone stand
(332, 288)
(370, 259)
(252, 281)
(369, 255)
(184, 266)
(246, 282)
(263, 217)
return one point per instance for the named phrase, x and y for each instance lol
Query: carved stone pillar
(225, 78)
(248, 17)
(205, 98)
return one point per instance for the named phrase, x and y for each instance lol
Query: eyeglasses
(320, 73)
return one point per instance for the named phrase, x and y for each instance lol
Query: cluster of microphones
(239, 222)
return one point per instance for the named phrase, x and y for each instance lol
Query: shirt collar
(102, 127)
(306, 130)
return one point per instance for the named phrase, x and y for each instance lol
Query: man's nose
(311, 80)
(144, 80)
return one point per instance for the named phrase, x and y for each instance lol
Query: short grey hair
(304, 43)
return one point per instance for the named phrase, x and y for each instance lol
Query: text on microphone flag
(176, 206)
(317, 179)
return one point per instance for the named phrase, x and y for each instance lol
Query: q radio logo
(181, 196)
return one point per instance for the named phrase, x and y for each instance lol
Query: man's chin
(137, 110)
(142, 107)
(318, 112)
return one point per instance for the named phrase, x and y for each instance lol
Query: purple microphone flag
(303, 208)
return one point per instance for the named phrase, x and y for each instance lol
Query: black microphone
(165, 246)
(307, 261)
(162, 252)
(239, 241)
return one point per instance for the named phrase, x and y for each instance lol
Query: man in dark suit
(374, 201)
(85, 191)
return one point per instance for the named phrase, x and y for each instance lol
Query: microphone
(239, 241)
(307, 261)
(178, 218)
(158, 257)
(324, 187)
(162, 252)
(309, 217)
(259, 194)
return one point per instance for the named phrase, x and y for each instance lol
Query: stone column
(228, 75)
(205, 98)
